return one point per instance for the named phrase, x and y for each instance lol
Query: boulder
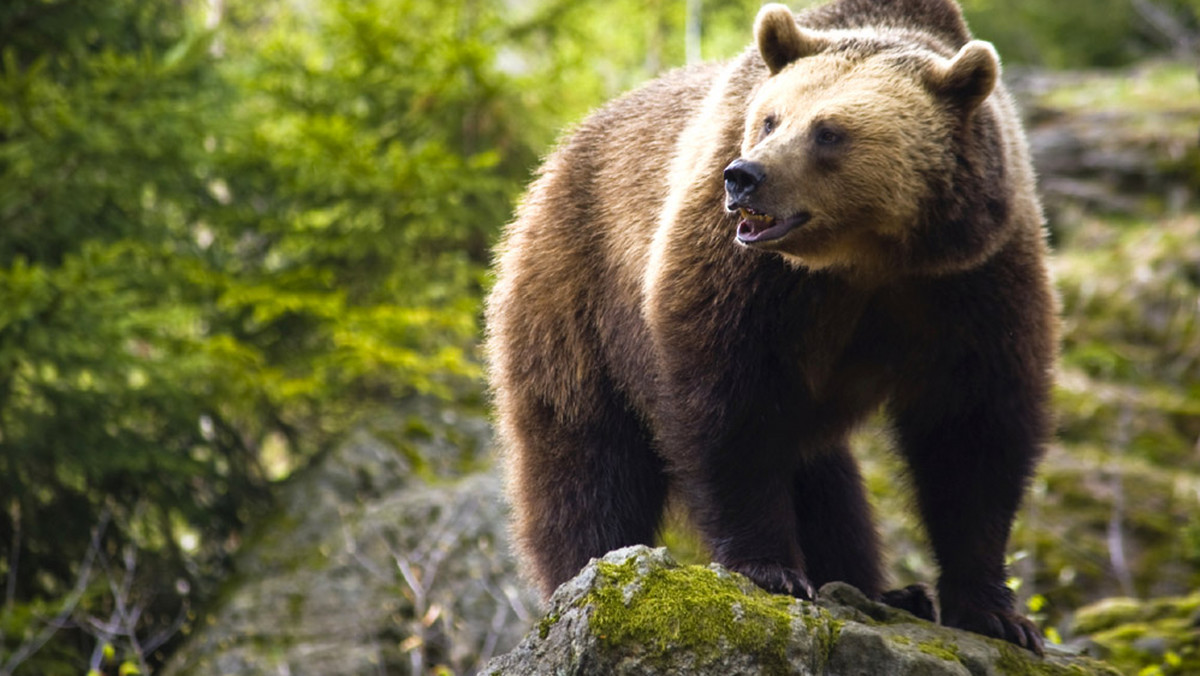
(366, 569)
(636, 611)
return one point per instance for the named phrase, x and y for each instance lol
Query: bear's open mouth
(756, 226)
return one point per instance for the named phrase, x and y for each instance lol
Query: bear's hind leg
(581, 488)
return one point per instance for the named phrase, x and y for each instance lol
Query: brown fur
(635, 346)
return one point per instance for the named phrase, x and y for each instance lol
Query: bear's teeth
(756, 217)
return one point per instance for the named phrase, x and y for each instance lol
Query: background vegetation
(232, 229)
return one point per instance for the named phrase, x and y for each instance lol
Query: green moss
(547, 622)
(825, 630)
(1011, 662)
(1105, 615)
(697, 611)
(939, 649)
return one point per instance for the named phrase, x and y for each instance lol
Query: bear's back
(940, 19)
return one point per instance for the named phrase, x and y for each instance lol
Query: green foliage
(219, 241)
(1077, 33)
(101, 391)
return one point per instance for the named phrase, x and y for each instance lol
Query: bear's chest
(846, 344)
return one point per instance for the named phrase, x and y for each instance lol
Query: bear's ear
(780, 39)
(969, 76)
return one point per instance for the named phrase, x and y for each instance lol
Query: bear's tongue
(759, 227)
(753, 224)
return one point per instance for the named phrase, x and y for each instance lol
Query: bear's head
(864, 150)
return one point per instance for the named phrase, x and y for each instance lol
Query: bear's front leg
(971, 427)
(727, 395)
(731, 453)
(968, 489)
(743, 506)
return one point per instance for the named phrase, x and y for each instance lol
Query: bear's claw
(1001, 624)
(777, 579)
(915, 598)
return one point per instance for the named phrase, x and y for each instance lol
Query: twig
(1180, 39)
(10, 588)
(1116, 535)
(31, 646)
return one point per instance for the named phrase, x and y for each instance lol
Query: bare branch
(1169, 28)
(1116, 533)
(31, 646)
(10, 587)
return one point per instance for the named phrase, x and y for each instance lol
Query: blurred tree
(103, 108)
(216, 244)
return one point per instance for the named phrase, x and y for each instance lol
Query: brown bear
(720, 274)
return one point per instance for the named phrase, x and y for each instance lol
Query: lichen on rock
(636, 611)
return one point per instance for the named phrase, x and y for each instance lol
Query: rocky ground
(636, 611)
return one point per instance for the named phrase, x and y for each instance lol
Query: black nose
(741, 179)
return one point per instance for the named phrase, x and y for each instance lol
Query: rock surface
(366, 569)
(636, 611)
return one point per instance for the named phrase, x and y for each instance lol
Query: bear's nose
(741, 178)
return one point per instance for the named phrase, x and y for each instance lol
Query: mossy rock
(636, 611)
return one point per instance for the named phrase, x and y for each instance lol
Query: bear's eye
(828, 137)
(769, 125)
